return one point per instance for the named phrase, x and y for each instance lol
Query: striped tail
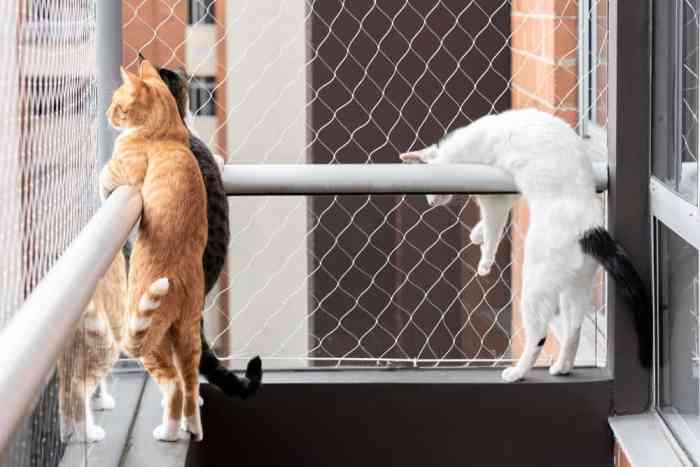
(140, 320)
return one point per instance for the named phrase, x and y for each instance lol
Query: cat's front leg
(106, 183)
(494, 216)
(220, 163)
(122, 170)
(477, 234)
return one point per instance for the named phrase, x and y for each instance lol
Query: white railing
(50, 314)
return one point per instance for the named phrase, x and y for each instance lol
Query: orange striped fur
(90, 355)
(166, 280)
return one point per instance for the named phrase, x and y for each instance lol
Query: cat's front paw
(167, 432)
(103, 401)
(220, 163)
(104, 183)
(477, 234)
(484, 268)
(511, 374)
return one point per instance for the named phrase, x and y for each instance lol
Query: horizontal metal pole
(318, 179)
(36, 335)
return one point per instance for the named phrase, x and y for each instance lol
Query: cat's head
(142, 100)
(426, 156)
(176, 80)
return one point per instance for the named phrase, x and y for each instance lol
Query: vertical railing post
(109, 59)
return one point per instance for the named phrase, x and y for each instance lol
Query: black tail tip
(254, 369)
(253, 377)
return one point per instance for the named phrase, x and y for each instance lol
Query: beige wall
(266, 124)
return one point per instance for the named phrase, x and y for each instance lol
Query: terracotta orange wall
(545, 76)
(155, 28)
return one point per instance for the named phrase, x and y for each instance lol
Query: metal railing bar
(33, 339)
(339, 179)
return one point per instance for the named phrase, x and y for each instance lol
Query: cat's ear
(129, 78)
(182, 73)
(413, 157)
(146, 70)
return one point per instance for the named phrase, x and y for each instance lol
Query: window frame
(667, 207)
(202, 96)
(201, 12)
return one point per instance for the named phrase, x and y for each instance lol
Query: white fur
(159, 288)
(103, 400)
(82, 432)
(169, 429)
(146, 303)
(95, 324)
(219, 162)
(548, 162)
(193, 425)
(139, 323)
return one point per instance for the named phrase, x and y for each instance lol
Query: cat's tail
(232, 385)
(598, 243)
(141, 319)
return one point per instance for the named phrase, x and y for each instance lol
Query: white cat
(566, 238)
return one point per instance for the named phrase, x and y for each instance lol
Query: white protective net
(47, 168)
(371, 280)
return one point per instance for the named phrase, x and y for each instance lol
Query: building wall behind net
(47, 167)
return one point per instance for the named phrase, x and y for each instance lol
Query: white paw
(193, 424)
(559, 368)
(511, 374)
(168, 432)
(94, 434)
(67, 429)
(477, 236)
(103, 178)
(484, 268)
(219, 162)
(87, 434)
(103, 402)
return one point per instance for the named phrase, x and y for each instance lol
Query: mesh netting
(47, 167)
(367, 280)
(372, 279)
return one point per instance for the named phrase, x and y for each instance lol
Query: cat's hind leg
(161, 366)
(538, 306)
(576, 302)
(188, 352)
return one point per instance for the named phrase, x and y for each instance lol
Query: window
(593, 55)
(676, 97)
(677, 227)
(679, 392)
(203, 96)
(200, 12)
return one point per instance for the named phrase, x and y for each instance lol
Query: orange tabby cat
(166, 280)
(90, 355)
